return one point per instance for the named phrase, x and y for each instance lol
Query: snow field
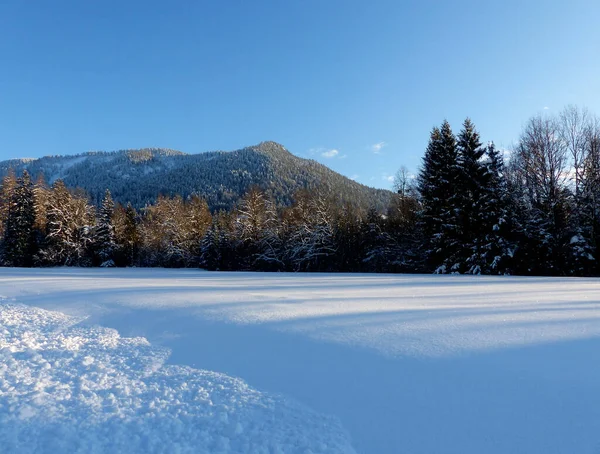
(68, 388)
(408, 364)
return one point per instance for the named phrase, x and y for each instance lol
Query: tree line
(467, 211)
(55, 226)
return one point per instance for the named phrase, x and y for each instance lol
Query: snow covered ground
(408, 364)
(65, 388)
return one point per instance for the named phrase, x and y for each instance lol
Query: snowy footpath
(119, 361)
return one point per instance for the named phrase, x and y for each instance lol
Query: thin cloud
(354, 177)
(377, 147)
(387, 177)
(324, 152)
(330, 153)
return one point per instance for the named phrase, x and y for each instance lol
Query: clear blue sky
(328, 79)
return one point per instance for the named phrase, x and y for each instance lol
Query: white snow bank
(77, 389)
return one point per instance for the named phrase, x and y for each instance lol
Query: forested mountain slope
(139, 176)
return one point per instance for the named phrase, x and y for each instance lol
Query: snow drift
(70, 388)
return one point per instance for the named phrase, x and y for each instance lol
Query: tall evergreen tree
(104, 233)
(471, 183)
(127, 235)
(210, 251)
(19, 242)
(7, 188)
(497, 222)
(437, 187)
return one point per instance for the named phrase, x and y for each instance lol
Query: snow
(408, 364)
(71, 388)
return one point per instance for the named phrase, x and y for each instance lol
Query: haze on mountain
(220, 177)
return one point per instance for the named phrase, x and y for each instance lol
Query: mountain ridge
(138, 176)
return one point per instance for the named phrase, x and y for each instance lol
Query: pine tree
(379, 249)
(210, 251)
(437, 187)
(497, 222)
(348, 241)
(104, 233)
(7, 188)
(471, 183)
(127, 236)
(19, 243)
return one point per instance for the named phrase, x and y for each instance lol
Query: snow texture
(67, 388)
(409, 364)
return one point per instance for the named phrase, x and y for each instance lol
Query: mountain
(221, 177)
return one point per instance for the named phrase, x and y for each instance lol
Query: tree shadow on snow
(534, 399)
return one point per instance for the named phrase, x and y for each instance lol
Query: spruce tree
(431, 196)
(104, 238)
(472, 181)
(380, 250)
(437, 187)
(7, 188)
(19, 242)
(497, 221)
(210, 252)
(130, 238)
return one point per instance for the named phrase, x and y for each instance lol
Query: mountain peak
(271, 148)
(148, 154)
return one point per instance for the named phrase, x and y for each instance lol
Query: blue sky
(357, 85)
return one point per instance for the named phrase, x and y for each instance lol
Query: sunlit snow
(409, 364)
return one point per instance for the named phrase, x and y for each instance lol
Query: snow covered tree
(437, 188)
(210, 251)
(347, 227)
(471, 184)
(19, 242)
(257, 230)
(69, 226)
(227, 242)
(379, 248)
(171, 231)
(576, 129)
(311, 233)
(127, 236)
(540, 161)
(498, 244)
(104, 233)
(9, 182)
(41, 194)
(586, 242)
